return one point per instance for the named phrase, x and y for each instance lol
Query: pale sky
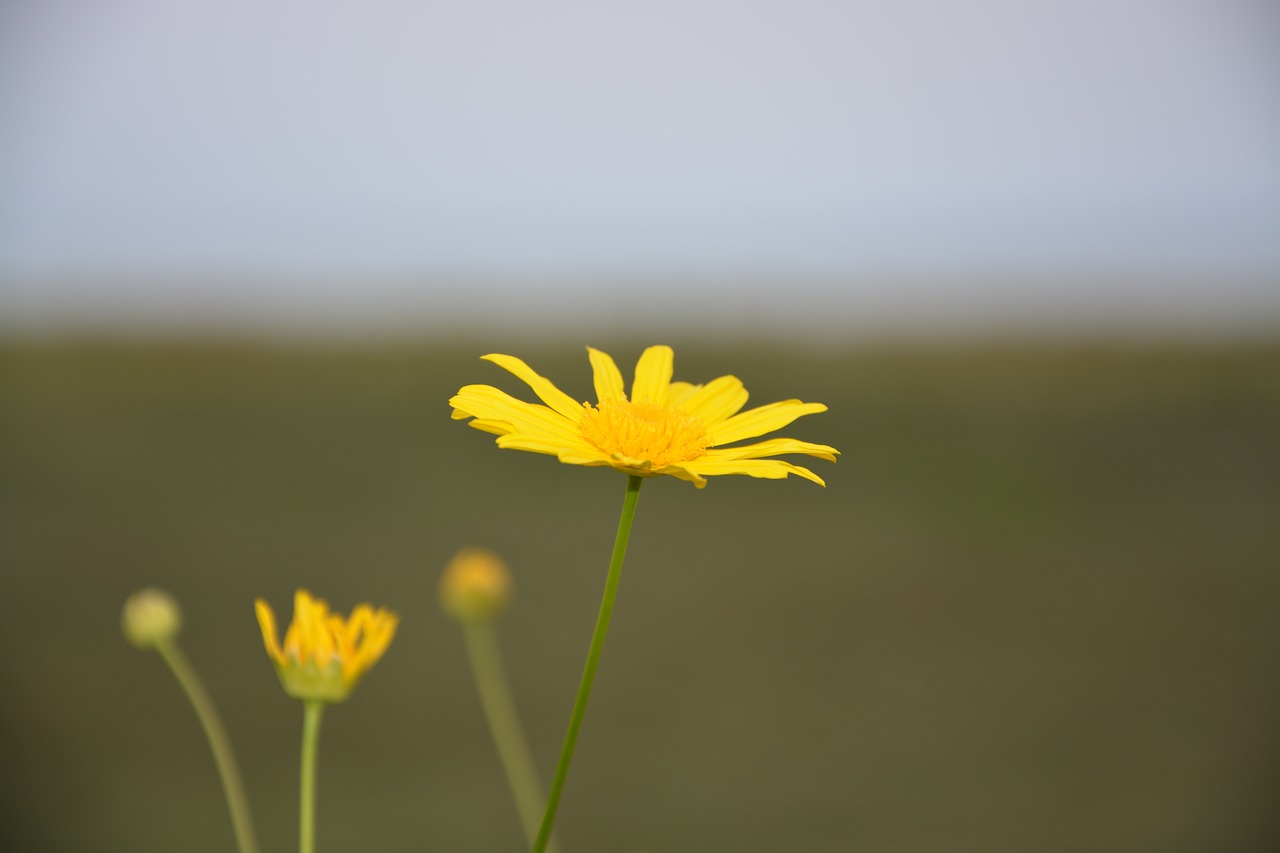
(245, 156)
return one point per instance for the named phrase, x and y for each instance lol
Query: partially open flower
(150, 617)
(475, 585)
(324, 655)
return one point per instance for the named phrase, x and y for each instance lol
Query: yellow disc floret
(644, 436)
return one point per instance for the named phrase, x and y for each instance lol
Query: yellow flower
(664, 427)
(325, 655)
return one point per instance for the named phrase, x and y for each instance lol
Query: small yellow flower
(324, 655)
(664, 427)
(476, 585)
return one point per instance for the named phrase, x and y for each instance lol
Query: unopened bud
(476, 585)
(150, 617)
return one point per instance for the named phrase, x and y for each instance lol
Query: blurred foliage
(1038, 607)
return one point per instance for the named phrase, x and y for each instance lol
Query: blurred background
(1029, 255)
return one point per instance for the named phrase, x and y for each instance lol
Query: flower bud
(150, 617)
(476, 585)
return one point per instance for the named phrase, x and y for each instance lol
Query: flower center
(643, 434)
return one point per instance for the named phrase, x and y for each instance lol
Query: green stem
(593, 660)
(504, 724)
(307, 796)
(219, 744)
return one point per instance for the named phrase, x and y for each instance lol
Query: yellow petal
(490, 404)
(370, 638)
(678, 392)
(607, 377)
(543, 387)
(774, 447)
(546, 444)
(267, 622)
(495, 427)
(359, 622)
(653, 376)
(681, 472)
(756, 422)
(593, 459)
(717, 400)
(311, 640)
(343, 638)
(379, 636)
(769, 469)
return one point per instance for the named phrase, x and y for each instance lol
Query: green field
(1036, 609)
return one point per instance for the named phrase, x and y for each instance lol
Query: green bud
(150, 617)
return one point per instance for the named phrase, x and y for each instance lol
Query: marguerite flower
(664, 427)
(325, 655)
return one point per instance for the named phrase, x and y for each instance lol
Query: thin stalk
(504, 725)
(593, 660)
(312, 711)
(219, 744)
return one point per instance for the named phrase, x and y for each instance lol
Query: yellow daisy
(324, 655)
(664, 427)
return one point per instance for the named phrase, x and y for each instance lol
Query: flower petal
(492, 404)
(769, 469)
(589, 460)
(379, 632)
(717, 400)
(310, 616)
(267, 622)
(489, 425)
(679, 392)
(543, 387)
(774, 447)
(547, 444)
(608, 379)
(653, 376)
(681, 472)
(756, 422)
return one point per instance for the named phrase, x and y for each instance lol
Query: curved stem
(593, 660)
(219, 744)
(307, 794)
(504, 724)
